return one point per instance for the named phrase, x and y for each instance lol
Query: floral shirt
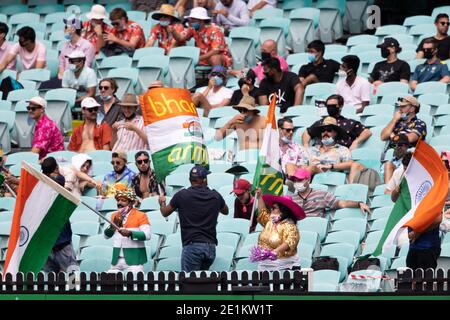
(110, 180)
(152, 184)
(164, 38)
(335, 155)
(132, 30)
(415, 125)
(210, 38)
(293, 153)
(47, 137)
(89, 34)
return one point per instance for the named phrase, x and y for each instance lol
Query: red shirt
(244, 211)
(164, 38)
(89, 34)
(132, 30)
(102, 136)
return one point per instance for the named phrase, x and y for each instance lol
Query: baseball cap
(408, 100)
(198, 172)
(76, 55)
(389, 42)
(302, 174)
(240, 186)
(121, 155)
(38, 101)
(89, 102)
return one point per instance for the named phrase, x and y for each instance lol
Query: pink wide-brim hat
(287, 201)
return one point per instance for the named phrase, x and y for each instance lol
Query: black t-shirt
(442, 45)
(198, 208)
(324, 72)
(388, 72)
(285, 90)
(237, 95)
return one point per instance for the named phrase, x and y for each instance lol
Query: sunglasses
(142, 161)
(92, 110)
(327, 129)
(75, 60)
(288, 129)
(444, 23)
(116, 162)
(33, 108)
(103, 87)
(115, 23)
(332, 105)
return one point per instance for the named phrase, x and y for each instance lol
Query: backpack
(9, 84)
(369, 177)
(328, 263)
(364, 264)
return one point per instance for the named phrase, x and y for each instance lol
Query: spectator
(284, 84)
(62, 255)
(280, 233)
(166, 16)
(231, 13)
(129, 253)
(144, 182)
(392, 69)
(121, 175)
(248, 124)
(255, 5)
(32, 53)
(269, 49)
(74, 43)
(125, 37)
(355, 132)
(208, 37)
(400, 146)
(90, 136)
(405, 121)
(318, 69)
(354, 89)
(243, 204)
(246, 87)
(79, 76)
(216, 94)
(47, 137)
(77, 175)
(315, 201)
(129, 133)
(198, 208)
(432, 69)
(292, 154)
(10, 183)
(441, 38)
(95, 27)
(5, 46)
(109, 111)
(397, 176)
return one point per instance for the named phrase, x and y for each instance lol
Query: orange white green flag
(42, 209)
(423, 191)
(173, 130)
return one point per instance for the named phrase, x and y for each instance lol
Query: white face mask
(72, 67)
(286, 140)
(300, 186)
(327, 141)
(342, 73)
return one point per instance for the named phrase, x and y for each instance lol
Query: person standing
(198, 208)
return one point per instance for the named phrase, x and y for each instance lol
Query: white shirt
(219, 96)
(237, 14)
(87, 79)
(269, 3)
(356, 94)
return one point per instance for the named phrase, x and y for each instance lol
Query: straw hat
(166, 10)
(316, 131)
(248, 103)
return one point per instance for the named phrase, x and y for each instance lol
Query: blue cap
(198, 172)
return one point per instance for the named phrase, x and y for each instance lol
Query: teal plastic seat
(417, 20)
(381, 201)
(243, 45)
(102, 252)
(148, 51)
(59, 104)
(228, 239)
(378, 224)
(169, 264)
(13, 8)
(392, 88)
(19, 18)
(18, 157)
(344, 250)
(182, 62)
(100, 155)
(303, 27)
(381, 213)
(6, 126)
(170, 252)
(319, 89)
(21, 94)
(297, 58)
(351, 224)
(151, 203)
(7, 203)
(162, 227)
(95, 265)
(366, 153)
(325, 280)
(314, 224)
(430, 87)
(224, 258)
(173, 239)
(246, 264)
(113, 62)
(378, 120)
(126, 79)
(330, 178)
(441, 9)
(85, 228)
(390, 29)
(354, 191)
(97, 240)
(330, 23)
(348, 213)
(136, 15)
(344, 236)
(235, 225)
(265, 13)
(362, 39)
(275, 29)
(151, 68)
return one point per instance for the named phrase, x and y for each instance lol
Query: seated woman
(77, 174)
(280, 234)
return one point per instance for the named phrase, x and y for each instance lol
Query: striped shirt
(129, 140)
(316, 202)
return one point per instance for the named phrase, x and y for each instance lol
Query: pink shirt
(47, 137)
(29, 59)
(259, 70)
(82, 45)
(4, 50)
(128, 140)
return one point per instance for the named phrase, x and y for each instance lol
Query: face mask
(275, 218)
(342, 73)
(385, 52)
(286, 140)
(299, 187)
(68, 36)
(333, 112)
(404, 116)
(265, 56)
(248, 119)
(164, 23)
(311, 57)
(72, 67)
(219, 80)
(195, 25)
(267, 75)
(105, 98)
(428, 54)
(327, 141)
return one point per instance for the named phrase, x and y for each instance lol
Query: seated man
(95, 27)
(5, 46)
(292, 154)
(247, 88)
(441, 38)
(314, 202)
(231, 14)
(32, 54)
(318, 69)
(354, 89)
(405, 122)
(432, 69)
(90, 136)
(121, 175)
(215, 95)
(79, 76)
(248, 124)
(355, 132)
(144, 182)
(243, 204)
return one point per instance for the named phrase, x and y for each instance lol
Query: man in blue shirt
(121, 174)
(431, 70)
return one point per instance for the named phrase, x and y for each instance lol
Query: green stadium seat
(417, 20)
(314, 224)
(169, 264)
(236, 225)
(430, 87)
(348, 213)
(85, 228)
(265, 13)
(224, 259)
(95, 252)
(355, 192)
(95, 265)
(7, 203)
(59, 104)
(170, 252)
(113, 62)
(351, 224)
(275, 29)
(246, 264)
(151, 68)
(303, 28)
(380, 213)
(330, 23)
(182, 62)
(97, 240)
(325, 281)
(243, 45)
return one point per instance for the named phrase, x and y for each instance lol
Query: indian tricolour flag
(423, 191)
(173, 129)
(268, 174)
(42, 209)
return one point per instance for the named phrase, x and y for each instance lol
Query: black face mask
(385, 52)
(428, 54)
(267, 75)
(265, 56)
(333, 112)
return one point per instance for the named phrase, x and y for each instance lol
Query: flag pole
(255, 203)
(100, 215)
(10, 190)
